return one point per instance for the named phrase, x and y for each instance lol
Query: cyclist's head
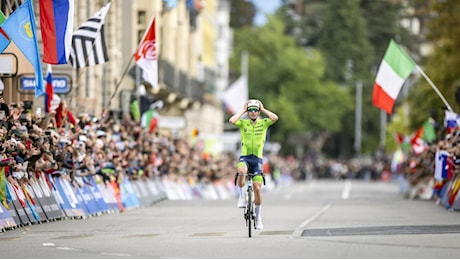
(253, 105)
(253, 109)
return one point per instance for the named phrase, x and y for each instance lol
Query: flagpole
(434, 87)
(119, 82)
(127, 67)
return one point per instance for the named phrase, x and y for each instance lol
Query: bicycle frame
(249, 213)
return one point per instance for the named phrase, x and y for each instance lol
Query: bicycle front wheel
(249, 212)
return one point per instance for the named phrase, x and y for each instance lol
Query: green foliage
(344, 42)
(399, 125)
(383, 24)
(441, 66)
(242, 13)
(290, 81)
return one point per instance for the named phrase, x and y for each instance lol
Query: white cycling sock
(258, 211)
(241, 191)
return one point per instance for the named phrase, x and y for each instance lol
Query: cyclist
(253, 132)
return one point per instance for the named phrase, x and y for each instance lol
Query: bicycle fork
(249, 211)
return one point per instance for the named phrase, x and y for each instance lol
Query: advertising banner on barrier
(49, 201)
(70, 204)
(35, 209)
(96, 193)
(34, 189)
(128, 196)
(108, 195)
(17, 205)
(25, 203)
(6, 220)
(85, 196)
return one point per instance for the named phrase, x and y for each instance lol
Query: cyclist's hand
(246, 105)
(261, 105)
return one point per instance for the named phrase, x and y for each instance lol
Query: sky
(264, 6)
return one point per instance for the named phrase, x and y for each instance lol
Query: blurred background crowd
(79, 145)
(61, 143)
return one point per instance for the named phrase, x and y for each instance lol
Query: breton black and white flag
(88, 42)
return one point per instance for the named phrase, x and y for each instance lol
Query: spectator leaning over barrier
(63, 115)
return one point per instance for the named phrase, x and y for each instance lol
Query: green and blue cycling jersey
(253, 135)
(252, 144)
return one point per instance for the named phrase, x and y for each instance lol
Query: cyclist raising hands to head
(253, 132)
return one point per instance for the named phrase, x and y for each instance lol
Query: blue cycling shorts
(254, 165)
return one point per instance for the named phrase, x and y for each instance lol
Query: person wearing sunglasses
(253, 133)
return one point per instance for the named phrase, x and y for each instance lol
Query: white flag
(236, 95)
(146, 56)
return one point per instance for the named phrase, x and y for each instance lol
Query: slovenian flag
(393, 72)
(56, 21)
(49, 91)
(51, 100)
(451, 120)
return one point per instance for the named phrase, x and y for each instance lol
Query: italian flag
(393, 71)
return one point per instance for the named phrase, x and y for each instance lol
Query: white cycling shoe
(241, 202)
(259, 224)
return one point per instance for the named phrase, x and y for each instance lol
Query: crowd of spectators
(61, 143)
(429, 173)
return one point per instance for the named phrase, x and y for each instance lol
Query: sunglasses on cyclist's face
(255, 110)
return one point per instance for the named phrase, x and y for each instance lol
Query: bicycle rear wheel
(249, 212)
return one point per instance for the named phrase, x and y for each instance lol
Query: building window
(141, 16)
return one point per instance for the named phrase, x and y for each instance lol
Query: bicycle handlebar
(249, 175)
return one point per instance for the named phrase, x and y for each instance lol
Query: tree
(344, 41)
(441, 66)
(290, 81)
(345, 27)
(242, 13)
(383, 19)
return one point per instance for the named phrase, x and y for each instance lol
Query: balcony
(180, 82)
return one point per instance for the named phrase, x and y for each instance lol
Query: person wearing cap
(253, 132)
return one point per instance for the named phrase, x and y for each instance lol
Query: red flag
(146, 56)
(417, 143)
(399, 138)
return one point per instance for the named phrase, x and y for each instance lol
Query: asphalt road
(314, 219)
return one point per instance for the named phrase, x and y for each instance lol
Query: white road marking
(116, 254)
(74, 249)
(299, 229)
(346, 190)
(66, 248)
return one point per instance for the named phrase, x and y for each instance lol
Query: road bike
(249, 213)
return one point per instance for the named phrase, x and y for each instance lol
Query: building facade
(193, 47)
